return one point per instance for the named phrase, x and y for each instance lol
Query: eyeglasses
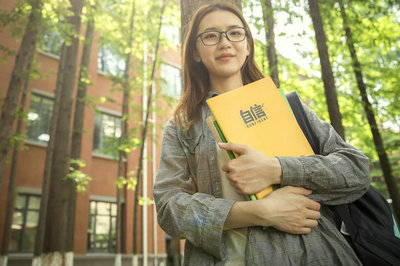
(210, 38)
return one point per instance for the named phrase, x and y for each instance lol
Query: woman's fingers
(312, 205)
(310, 223)
(315, 215)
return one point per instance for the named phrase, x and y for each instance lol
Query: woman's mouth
(224, 57)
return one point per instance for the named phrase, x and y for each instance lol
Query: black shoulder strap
(300, 114)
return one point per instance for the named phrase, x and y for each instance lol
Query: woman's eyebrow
(215, 29)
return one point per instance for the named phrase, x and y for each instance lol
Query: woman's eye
(235, 33)
(210, 35)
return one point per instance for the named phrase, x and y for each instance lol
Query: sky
(287, 41)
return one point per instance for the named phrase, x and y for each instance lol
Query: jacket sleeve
(182, 211)
(338, 175)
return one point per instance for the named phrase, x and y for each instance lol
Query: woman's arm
(338, 175)
(182, 211)
(287, 209)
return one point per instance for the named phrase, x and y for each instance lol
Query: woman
(203, 199)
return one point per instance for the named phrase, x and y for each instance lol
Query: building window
(102, 226)
(39, 118)
(107, 131)
(171, 81)
(109, 61)
(25, 221)
(51, 42)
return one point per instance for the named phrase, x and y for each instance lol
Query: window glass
(18, 220)
(172, 81)
(101, 233)
(109, 61)
(24, 224)
(34, 203)
(39, 118)
(31, 223)
(107, 131)
(51, 42)
(20, 201)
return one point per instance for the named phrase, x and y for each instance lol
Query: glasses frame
(220, 35)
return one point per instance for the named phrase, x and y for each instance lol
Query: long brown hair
(196, 81)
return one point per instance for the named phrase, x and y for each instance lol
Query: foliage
(130, 181)
(376, 32)
(80, 179)
(145, 201)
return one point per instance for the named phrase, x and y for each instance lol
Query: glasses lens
(210, 38)
(236, 34)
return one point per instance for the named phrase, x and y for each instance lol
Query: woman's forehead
(219, 20)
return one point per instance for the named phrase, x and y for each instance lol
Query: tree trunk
(124, 130)
(268, 15)
(11, 184)
(189, 7)
(20, 72)
(57, 215)
(144, 129)
(76, 142)
(380, 149)
(40, 232)
(326, 69)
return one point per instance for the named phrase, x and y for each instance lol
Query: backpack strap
(301, 117)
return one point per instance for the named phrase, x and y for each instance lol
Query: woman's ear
(248, 49)
(196, 56)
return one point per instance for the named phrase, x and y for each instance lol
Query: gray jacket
(190, 206)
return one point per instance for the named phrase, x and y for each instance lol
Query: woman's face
(224, 59)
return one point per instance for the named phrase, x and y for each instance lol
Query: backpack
(368, 221)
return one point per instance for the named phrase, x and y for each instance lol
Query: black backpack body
(368, 220)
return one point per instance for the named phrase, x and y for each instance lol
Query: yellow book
(258, 116)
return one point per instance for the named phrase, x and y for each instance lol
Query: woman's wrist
(277, 171)
(242, 214)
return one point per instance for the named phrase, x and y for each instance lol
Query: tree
(21, 70)
(124, 130)
(11, 184)
(56, 225)
(41, 228)
(78, 177)
(188, 7)
(145, 126)
(19, 78)
(268, 15)
(326, 69)
(383, 158)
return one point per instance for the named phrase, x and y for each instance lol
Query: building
(94, 238)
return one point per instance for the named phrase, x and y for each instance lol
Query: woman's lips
(224, 57)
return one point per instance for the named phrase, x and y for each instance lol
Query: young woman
(203, 199)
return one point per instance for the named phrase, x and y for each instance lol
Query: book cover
(257, 115)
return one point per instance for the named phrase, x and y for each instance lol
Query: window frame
(104, 111)
(42, 94)
(56, 36)
(107, 49)
(28, 193)
(91, 247)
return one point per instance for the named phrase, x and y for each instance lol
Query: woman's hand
(286, 209)
(252, 171)
(289, 210)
